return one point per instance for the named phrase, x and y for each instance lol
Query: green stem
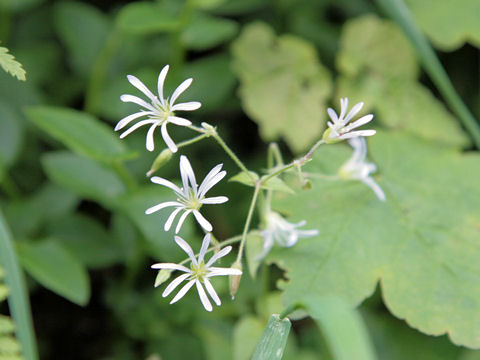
(290, 309)
(192, 141)
(247, 222)
(99, 71)
(231, 154)
(274, 155)
(127, 178)
(401, 14)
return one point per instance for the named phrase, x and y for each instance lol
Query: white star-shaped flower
(280, 231)
(339, 130)
(190, 197)
(357, 168)
(198, 274)
(159, 111)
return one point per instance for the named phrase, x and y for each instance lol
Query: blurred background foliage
(73, 195)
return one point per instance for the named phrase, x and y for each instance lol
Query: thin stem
(290, 309)
(401, 14)
(231, 154)
(274, 155)
(192, 141)
(232, 240)
(127, 178)
(247, 222)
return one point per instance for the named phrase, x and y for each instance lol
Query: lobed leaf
(10, 65)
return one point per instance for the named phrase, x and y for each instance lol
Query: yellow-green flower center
(198, 271)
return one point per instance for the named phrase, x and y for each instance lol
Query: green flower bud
(159, 161)
(234, 280)
(162, 276)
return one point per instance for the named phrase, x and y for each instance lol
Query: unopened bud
(234, 280)
(160, 160)
(162, 276)
(207, 126)
(307, 185)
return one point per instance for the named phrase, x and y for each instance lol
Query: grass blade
(274, 339)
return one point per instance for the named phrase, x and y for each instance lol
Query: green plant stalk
(231, 154)
(247, 222)
(18, 299)
(398, 11)
(127, 178)
(99, 71)
(192, 141)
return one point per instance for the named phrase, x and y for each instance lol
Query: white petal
(215, 200)
(362, 121)
(136, 126)
(140, 86)
(172, 286)
(375, 187)
(122, 123)
(307, 233)
(218, 255)
(161, 81)
(138, 101)
(205, 244)
(182, 291)
(354, 112)
(203, 296)
(161, 206)
(217, 271)
(211, 174)
(161, 181)
(150, 142)
(170, 219)
(181, 220)
(332, 114)
(267, 245)
(208, 184)
(170, 266)
(212, 292)
(353, 134)
(179, 121)
(202, 221)
(180, 89)
(185, 247)
(168, 140)
(187, 174)
(188, 106)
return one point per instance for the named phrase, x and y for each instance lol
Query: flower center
(198, 271)
(193, 202)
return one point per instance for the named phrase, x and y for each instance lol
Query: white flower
(339, 130)
(357, 168)
(282, 232)
(191, 197)
(199, 272)
(159, 111)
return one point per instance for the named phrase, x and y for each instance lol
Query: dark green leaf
(274, 338)
(146, 18)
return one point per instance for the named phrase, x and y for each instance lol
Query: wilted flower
(199, 273)
(280, 231)
(191, 197)
(357, 168)
(159, 111)
(339, 130)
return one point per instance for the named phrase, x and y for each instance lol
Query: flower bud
(307, 185)
(327, 139)
(160, 160)
(234, 280)
(162, 276)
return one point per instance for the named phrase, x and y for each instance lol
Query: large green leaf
(381, 70)
(56, 268)
(144, 17)
(83, 29)
(448, 24)
(81, 132)
(283, 85)
(421, 243)
(83, 176)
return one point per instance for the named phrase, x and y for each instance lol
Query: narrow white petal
(307, 233)
(187, 174)
(179, 121)
(207, 185)
(141, 86)
(353, 134)
(203, 296)
(136, 126)
(161, 206)
(217, 271)
(205, 244)
(172, 286)
(185, 247)
(170, 219)
(211, 174)
(362, 121)
(181, 220)
(215, 200)
(161, 81)
(168, 140)
(332, 114)
(161, 181)
(182, 291)
(126, 120)
(212, 292)
(202, 221)
(170, 266)
(188, 106)
(218, 255)
(375, 187)
(180, 89)
(150, 142)
(137, 100)
(353, 112)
